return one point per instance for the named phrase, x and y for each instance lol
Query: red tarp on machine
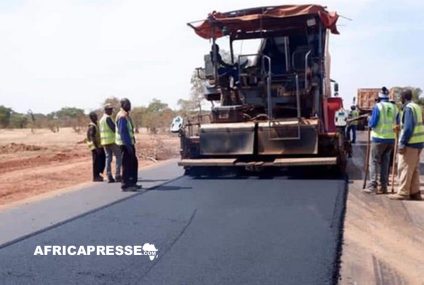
(262, 18)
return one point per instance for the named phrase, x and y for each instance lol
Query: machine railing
(268, 77)
(273, 124)
(306, 68)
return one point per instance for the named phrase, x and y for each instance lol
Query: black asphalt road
(208, 231)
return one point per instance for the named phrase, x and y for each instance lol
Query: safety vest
(418, 133)
(91, 144)
(118, 139)
(386, 121)
(107, 135)
(354, 114)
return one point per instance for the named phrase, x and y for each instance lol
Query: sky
(76, 53)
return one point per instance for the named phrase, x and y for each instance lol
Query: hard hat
(108, 106)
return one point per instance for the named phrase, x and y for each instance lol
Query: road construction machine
(272, 107)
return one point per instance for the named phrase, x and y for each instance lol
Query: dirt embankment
(383, 239)
(40, 162)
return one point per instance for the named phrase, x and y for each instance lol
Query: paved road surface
(208, 231)
(27, 217)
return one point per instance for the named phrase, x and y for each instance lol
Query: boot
(370, 189)
(382, 190)
(398, 197)
(416, 197)
(98, 179)
(110, 179)
(118, 178)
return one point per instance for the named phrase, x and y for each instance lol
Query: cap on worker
(108, 106)
(384, 94)
(384, 90)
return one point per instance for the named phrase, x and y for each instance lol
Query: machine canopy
(241, 23)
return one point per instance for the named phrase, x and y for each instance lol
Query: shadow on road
(171, 188)
(292, 173)
(152, 180)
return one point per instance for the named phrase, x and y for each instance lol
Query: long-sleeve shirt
(92, 136)
(375, 117)
(123, 130)
(111, 124)
(409, 122)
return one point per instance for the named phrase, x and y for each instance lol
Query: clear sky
(56, 53)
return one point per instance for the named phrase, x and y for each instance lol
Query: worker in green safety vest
(107, 138)
(126, 141)
(94, 144)
(383, 121)
(352, 125)
(411, 143)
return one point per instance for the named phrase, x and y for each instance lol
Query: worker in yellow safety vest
(107, 138)
(352, 125)
(94, 144)
(383, 121)
(126, 141)
(411, 143)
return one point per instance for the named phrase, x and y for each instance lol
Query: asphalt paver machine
(273, 107)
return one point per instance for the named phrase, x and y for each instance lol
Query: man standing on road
(352, 124)
(383, 120)
(410, 145)
(107, 138)
(340, 121)
(126, 141)
(97, 152)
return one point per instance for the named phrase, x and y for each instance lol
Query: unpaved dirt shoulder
(383, 239)
(34, 164)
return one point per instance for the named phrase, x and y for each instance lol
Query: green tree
(186, 107)
(18, 121)
(416, 93)
(157, 115)
(5, 114)
(137, 115)
(69, 117)
(196, 90)
(156, 105)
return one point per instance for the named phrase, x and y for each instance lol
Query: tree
(156, 105)
(197, 90)
(187, 107)
(157, 115)
(69, 117)
(5, 114)
(18, 121)
(416, 94)
(137, 114)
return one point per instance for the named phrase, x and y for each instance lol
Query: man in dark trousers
(97, 152)
(126, 141)
(351, 128)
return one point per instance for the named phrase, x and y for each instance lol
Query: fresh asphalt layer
(25, 218)
(233, 230)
